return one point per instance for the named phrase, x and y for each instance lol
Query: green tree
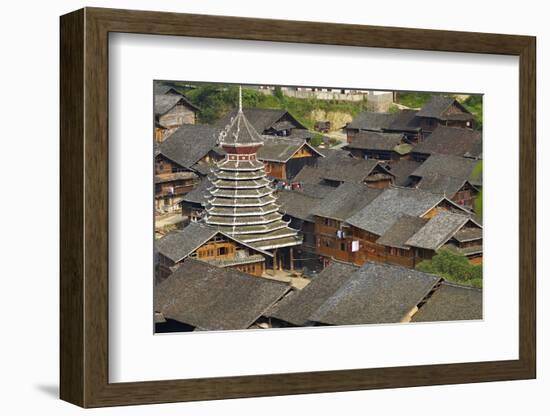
(477, 174)
(279, 93)
(474, 104)
(453, 267)
(316, 139)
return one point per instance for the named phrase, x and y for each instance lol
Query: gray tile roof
(310, 175)
(281, 149)
(189, 143)
(438, 104)
(300, 134)
(466, 251)
(378, 216)
(262, 119)
(376, 293)
(438, 230)
(316, 190)
(401, 230)
(160, 89)
(441, 184)
(402, 170)
(298, 204)
(178, 244)
(332, 160)
(353, 170)
(452, 302)
(405, 120)
(455, 141)
(345, 201)
(200, 194)
(370, 140)
(369, 120)
(240, 131)
(447, 165)
(165, 102)
(469, 234)
(298, 308)
(446, 174)
(212, 298)
(335, 154)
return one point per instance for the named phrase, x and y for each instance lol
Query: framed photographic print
(256, 207)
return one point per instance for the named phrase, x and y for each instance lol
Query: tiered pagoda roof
(241, 201)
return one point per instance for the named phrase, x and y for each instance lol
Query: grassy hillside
(216, 100)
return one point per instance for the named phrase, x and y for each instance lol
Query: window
(343, 246)
(222, 251)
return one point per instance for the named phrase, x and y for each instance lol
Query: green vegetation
(216, 100)
(478, 203)
(394, 109)
(316, 139)
(474, 104)
(453, 267)
(414, 99)
(278, 93)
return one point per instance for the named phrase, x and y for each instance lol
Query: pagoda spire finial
(240, 99)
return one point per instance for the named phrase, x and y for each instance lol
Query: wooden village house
(170, 187)
(385, 215)
(415, 125)
(297, 206)
(205, 243)
(339, 166)
(388, 147)
(369, 121)
(444, 111)
(285, 157)
(172, 110)
(407, 123)
(333, 237)
(193, 203)
(453, 141)
(180, 160)
(368, 172)
(453, 176)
